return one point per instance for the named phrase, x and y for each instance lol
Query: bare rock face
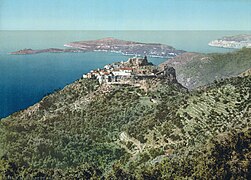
(168, 73)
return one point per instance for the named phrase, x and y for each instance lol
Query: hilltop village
(131, 72)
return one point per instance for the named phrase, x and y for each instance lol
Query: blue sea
(26, 79)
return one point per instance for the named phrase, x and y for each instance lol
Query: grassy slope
(85, 123)
(195, 69)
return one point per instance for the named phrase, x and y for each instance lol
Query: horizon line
(125, 30)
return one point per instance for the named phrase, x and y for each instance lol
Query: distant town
(232, 42)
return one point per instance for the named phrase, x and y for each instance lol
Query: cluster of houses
(134, 68)
(110, 74)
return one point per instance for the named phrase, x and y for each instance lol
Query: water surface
(25, 79)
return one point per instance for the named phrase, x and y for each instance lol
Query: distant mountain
(152, 131)
(195, 69)
(113, 45)
(236, 42)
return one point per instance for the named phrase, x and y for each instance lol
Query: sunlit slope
(194, 69)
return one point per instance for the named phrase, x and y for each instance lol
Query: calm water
(25, 79)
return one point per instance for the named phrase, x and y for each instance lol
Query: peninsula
(112, 45)
(233, 42)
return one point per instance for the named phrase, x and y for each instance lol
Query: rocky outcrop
(168, 73)
(181, 64)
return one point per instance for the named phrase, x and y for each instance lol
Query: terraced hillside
(159, 132)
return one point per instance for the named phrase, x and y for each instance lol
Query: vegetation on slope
(87, 130)
(194, 70)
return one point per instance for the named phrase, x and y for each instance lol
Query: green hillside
(162, 132)
(194, 69)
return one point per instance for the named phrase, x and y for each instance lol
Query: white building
(123, 72)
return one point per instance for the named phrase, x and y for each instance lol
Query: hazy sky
(125, 14)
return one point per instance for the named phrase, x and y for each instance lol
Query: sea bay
(25, 79)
